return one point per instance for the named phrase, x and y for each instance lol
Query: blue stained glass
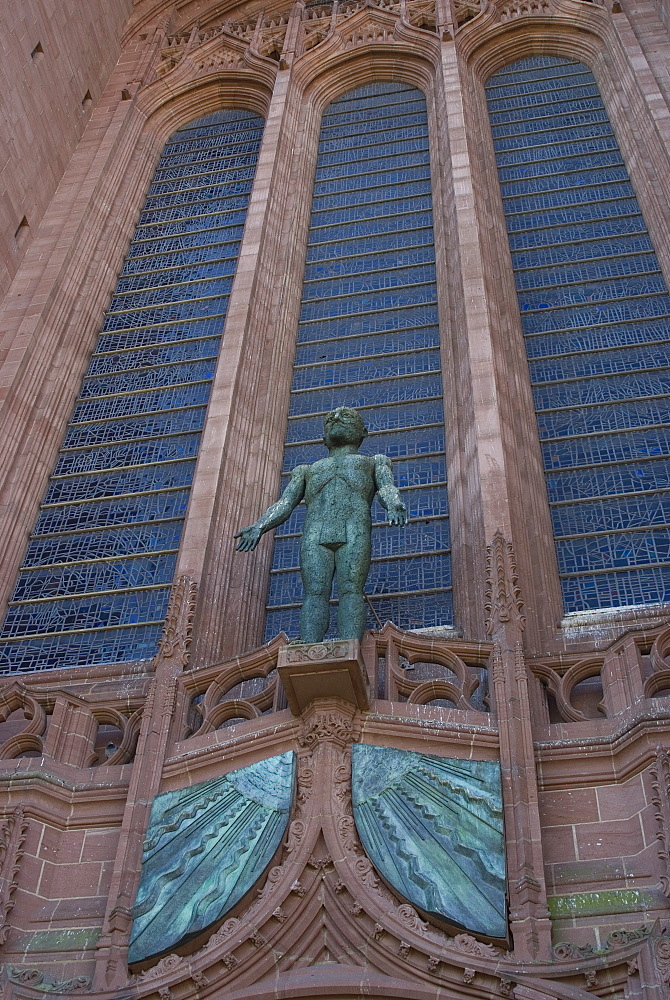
(388, 417)
(596, 316)
(385, 343)
(369, 338)
(89, 577)
(614, 590)
(178, 276)
(649, 443)
(601, 419)
(357, 265)
(553, 254)
(101, 611)
(128, 429)
(374, 393)
(76, 649)
(363, 251)
(602, 390)
(341, 172)
(596, 339)
(143, 507)
(116, 483)
(104, 544)
(169, 333)
(411, 441)
(162, 354)
(403, 318)
(385, 366)
(151, 315)
(148, 378)
(181, 259)
(142, 402)
(606, 363)
(161, 449)
(100, 562)
(640, 510)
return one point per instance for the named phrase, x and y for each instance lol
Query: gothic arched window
(368, 337)
(595, 313)
(96, 577)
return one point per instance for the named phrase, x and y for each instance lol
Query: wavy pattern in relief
(433, 827)
(205, 848)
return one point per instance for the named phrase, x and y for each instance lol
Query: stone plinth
(323, 670)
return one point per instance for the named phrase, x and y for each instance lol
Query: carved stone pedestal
(324, 670)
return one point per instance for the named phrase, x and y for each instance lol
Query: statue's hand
(398, 515)
(248, 538)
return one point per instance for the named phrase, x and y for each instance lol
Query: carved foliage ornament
(503, 597)
(12, 835)
(660, 780)
(326, 725)
(178, 627)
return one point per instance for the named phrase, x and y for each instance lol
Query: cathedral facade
(221, 221)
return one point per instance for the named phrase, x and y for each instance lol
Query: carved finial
(178, 627)
(503, 597)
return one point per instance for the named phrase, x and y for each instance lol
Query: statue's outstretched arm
(387, 491)
(277, 513)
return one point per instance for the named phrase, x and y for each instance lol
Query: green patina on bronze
(433, 827)
(206, 846)
(338, 492)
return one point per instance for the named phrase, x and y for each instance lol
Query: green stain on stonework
(72, 939)
(586, 904)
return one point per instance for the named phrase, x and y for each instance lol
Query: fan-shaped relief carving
(206, 846)
(433, 828)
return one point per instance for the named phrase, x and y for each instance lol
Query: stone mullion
(111, 967)
(528, 905)
(640, 116)
(240, 456)
(514, 492)
(529, 915)
(485, 478)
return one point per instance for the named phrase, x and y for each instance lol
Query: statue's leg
(317, 566)
(352, 563)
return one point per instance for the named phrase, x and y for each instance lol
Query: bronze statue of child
(338, 492)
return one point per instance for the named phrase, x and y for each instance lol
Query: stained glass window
(96, 577)
(369, 338)
(595, 312)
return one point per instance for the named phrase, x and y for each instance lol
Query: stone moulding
(206, 845)
(433, 827)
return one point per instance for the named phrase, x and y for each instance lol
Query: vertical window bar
(595, 312)
(369, 338)
(97, 573)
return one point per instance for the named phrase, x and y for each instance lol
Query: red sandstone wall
(42, 116)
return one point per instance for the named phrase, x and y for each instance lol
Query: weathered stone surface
(323, 670)
(433, 827)
(206, 846)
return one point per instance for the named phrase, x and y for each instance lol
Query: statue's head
(343, 426)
